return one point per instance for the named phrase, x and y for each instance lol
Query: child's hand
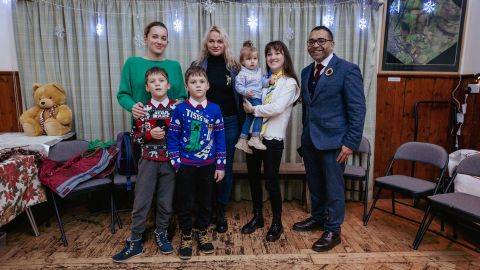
(272, 81)
(219, 175)
(137, 110)
(250, 93)
(157, 133)
(177, 101)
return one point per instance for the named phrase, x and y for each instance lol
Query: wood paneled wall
(395, 119)
(10, 101)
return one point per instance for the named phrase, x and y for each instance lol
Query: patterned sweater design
(196, 136)
(160, 116)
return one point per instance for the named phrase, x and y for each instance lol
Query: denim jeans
(224, 187)
(250, 120)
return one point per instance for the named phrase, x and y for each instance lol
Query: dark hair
(287, 65)
(324, 28)
(195, 71)
(155, 70)
(247, 50)
(153, 24)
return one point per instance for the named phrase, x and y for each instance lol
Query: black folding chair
(410, 186)
(62, 152)
(457, 206)
(360, 172)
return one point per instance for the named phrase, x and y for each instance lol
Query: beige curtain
(89, 65)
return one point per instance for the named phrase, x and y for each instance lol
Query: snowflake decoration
(209, 6)
(362, 23)
(328, 20)
(177, 25)
(59, 31)
(252, 21)
(429, 6)
(99, 28)
(139, 41)
(290, 33)
(395, 7)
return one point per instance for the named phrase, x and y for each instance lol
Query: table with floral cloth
(20, 188)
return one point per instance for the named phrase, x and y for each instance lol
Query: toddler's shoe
(162, 242)
(132, 248)
(204, 242)
(242, 145)
(186, 242)
(257, 143)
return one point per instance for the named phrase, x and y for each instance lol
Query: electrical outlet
(473, 88)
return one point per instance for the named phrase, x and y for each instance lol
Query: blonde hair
(247, 50)
(227, 53)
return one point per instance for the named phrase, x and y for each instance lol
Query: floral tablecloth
(20, 187)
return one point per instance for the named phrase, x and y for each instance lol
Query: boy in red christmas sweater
(155, 172)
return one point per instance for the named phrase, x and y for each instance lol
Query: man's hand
(219, 175)
(250, 93)
(137, 110)
(344, 154)
(247, 106)
(157, 133)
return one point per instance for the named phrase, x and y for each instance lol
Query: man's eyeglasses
(320, 41)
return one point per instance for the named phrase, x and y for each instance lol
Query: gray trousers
(153, 176)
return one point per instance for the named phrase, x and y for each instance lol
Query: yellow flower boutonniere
(329, 72)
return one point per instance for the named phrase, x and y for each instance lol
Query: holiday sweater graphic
(196, 136)
(153, 149)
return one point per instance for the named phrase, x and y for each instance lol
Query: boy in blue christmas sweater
(196, 147)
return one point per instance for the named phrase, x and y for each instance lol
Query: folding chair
(64, 151)
(360, 172)
(410, 186)
(461, 207)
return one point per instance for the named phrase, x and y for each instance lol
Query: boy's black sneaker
(132, 248)
(204, 242)
(186, 242)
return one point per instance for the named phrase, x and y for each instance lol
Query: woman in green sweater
(131, 93)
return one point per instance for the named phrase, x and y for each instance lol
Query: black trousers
(194, 186)
(271, 159)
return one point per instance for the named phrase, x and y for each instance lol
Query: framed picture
(423, 35)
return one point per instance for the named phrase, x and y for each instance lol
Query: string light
(177, 24)
(328, 19)
(252, 22)
(362, 24)
(429, 6)
(395, 7)
(59, 31)
(99, 27)
(290, 34)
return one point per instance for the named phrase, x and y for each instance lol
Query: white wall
(470, 60)
(7, 46)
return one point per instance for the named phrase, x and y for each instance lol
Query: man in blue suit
(333, 116)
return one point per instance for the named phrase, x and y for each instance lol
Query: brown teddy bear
(50, 116)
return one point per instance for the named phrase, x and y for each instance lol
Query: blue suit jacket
(335, 114)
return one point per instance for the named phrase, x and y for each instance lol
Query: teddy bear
(50, 116)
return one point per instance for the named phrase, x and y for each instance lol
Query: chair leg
(424, 230)
(59, 221)
(393, 203)
(365, 201)
(112, 213)
(372, 207)
(422, 224)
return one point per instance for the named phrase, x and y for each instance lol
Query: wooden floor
(384, 244)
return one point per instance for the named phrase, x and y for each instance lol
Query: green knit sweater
(132, 83)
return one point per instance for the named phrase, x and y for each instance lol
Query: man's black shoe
(328, 241)
(308, 224)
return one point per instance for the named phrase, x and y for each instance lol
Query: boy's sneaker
(242, 145)
(132, 248)
(186, 242)
(204, 243)
(162, 242)
(257, 143)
